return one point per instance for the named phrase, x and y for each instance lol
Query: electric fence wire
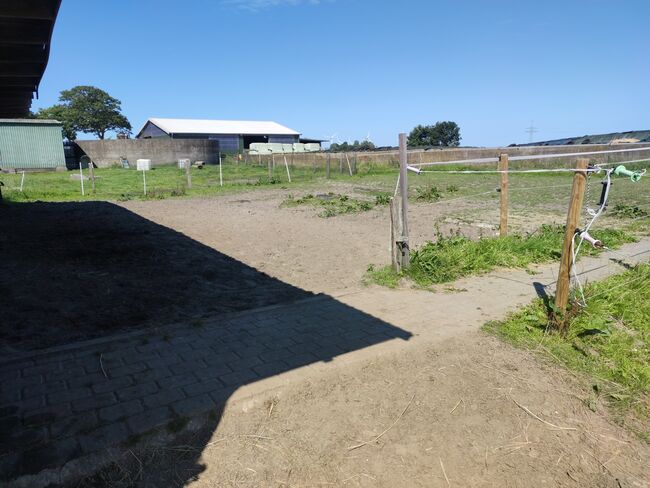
(575, 250)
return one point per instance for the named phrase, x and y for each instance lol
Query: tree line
(440, 134)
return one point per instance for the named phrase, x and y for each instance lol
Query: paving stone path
(77, 400)
(67, 403)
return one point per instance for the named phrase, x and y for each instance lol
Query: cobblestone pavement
(68, 403)
(77, 400)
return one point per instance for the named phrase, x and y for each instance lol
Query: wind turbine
(332, 138)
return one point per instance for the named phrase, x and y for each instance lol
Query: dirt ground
(104, 268)
(469, 411)
(296, 246)
(466, 411)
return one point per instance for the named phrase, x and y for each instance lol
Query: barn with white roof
(233, 135)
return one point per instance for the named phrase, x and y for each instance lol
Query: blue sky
(353, 67)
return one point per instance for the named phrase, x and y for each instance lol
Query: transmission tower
(531, 132)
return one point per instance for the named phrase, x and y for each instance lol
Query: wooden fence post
(395, 252)
(503, 218)
(572, 222)
(327, 166)
(270, 165)
(341, 163)
(403, 184)
(188, 175)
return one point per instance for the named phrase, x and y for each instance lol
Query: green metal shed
(31, 144)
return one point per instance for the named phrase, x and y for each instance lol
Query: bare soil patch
(295, 245)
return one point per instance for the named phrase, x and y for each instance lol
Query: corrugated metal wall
(30, 145)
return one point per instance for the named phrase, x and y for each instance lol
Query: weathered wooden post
(347, 159)
(403, 244)
(327, 166)
(188, 175)
(503, 218)
(395, 260)
(270, 165)
(220, 170)
(572, 222)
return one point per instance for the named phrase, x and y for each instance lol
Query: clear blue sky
(354, 67)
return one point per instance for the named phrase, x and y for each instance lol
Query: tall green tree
(446, 134)
(60, 113)
(88, 109)
(355, 146)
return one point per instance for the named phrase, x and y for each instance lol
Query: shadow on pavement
(85, 270)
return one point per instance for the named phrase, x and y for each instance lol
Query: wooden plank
(572, 222)
(503, 217)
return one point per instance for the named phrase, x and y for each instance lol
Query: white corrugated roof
(194, 126)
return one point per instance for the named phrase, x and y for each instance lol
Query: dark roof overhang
(25, 33)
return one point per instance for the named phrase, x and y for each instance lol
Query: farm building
(31, 144)
(233, 135)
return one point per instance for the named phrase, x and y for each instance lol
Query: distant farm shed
(233, 135)
(31, 144)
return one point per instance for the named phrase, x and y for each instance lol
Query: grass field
(466, 198)
(609, 341)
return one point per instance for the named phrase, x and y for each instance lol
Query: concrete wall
(454, 154)
(161, 150)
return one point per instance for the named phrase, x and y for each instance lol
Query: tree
(355, 146)
(60, 113)
(440, 134)
(88, 109)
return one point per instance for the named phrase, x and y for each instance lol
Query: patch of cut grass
(628, 211)
(428, 193)
(609, 339)
(384, 276)
(450, 258)
(335, 204)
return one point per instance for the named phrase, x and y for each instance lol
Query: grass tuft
(428, 193)
(628, 211)
(334, 204)
(609, 339)
(450, 258)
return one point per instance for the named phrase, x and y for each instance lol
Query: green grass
(450, 258)
(609, 339)
(336, 204)
(169, 182)
(628, 211)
